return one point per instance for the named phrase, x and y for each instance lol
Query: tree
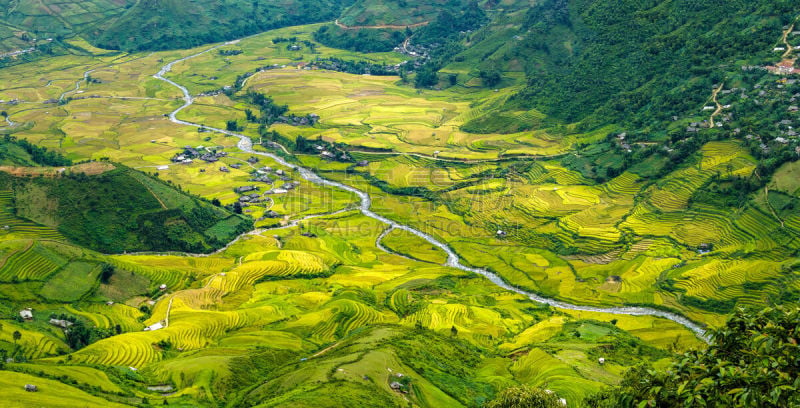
(454, 331)
(232, 126)
(249, 115)
(216, 202)
(525, 396)
(752, 361)
(106, 273)
(490, 77)
(453, 78)
(426, 77)
(237, 207)
(16, 336)
(78, 336)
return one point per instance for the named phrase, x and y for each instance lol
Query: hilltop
(111, 209)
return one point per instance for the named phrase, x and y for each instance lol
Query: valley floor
(427, 266)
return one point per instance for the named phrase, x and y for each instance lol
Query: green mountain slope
(155, 24)
(632, 61)
(121, 210)
(170, 24)
(58, 17)
(397, 12)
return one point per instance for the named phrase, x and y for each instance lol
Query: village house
(246, 189)
(262, 179)
(155, 326)
(224, 169)
(31, 388)
(60, 323)
(209, 158)
(26, 314)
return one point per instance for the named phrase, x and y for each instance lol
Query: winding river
(453, 260)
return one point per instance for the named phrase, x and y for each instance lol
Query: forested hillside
(637, 61)
(171, 24)
(113, 210)
(154, 24)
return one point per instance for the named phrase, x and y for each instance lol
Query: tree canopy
(753, 361)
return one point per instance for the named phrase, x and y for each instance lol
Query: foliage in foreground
(525, 397)
(753, 361)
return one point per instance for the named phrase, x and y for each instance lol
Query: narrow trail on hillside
(785, 40)
(771, 208)
(169, 309)
(246, 145)
(381, 26)
(716, 103)
(89, 72)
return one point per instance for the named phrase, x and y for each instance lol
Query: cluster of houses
(351, 67)
(206, 154)
(329, 155)
(308, 120)
(27, 315)
(785, 67)
(419, 51)
(251, 195)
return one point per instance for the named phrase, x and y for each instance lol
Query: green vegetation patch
(123, 210)
(71, 282)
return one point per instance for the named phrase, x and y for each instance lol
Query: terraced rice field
(36, 262)
(328, 302)
(13, 226)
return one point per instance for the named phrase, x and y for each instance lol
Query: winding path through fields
(245, 144)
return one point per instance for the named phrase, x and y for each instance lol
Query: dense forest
(359, 40)
(170, 24)
(638, 61)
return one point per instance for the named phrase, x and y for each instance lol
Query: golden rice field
(319, 306)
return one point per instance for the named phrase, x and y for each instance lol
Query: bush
(752, 362)
(525, 397)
